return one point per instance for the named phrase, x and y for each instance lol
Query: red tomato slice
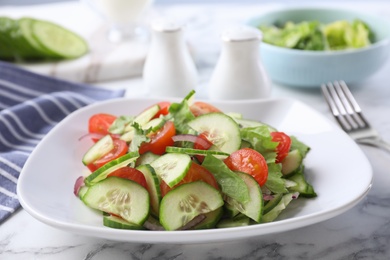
(99, 123)
(120, 148)
(195, 173)
(284, 145)
(164, 109)
(199, 108)
(131, 174)
(249, 161)
(160, 140)
(202, 143)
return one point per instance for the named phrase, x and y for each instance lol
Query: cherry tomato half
(159, 140)
(284, 145)
(164, 108)
(130, 174)
(100, 123)
(199, 108)
(120, 148)
(249, 161)
(195, 173)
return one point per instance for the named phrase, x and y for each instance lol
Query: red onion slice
(77, 185)
(190, 138)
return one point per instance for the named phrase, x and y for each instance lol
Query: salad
(189, 165)
(313, 35)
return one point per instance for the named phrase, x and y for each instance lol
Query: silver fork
(349, 115)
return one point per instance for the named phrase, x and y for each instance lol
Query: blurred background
(31, 2)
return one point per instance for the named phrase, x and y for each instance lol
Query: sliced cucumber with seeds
(121, 197)
(119, 223)
(219, 129)
(182, 204)
(153, 184)
(191, 151)
(254, 207)
(108, 168)
(291, 163)
(100, 148)
(172, 167)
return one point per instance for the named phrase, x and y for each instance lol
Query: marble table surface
(362, 232)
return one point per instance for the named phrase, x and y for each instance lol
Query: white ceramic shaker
(239, 73)
(169, 69)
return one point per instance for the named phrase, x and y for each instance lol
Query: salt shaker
(239, 73)
(169, 69)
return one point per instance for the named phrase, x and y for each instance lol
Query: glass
(123, 16)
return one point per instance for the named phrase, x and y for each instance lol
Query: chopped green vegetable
(313, 35)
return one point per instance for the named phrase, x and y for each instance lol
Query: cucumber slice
(100, 148)
(144, 117)
(291, 163)
(108, 168)
(254, 207)
(155, 124)
(82, 191)
(303, 187)
(25, 25)
(146, 158)
(190, 151)
(172, 167)
(58, 40)
(153, 187)
(211, 220)
(238, 221)
(119, 223)
(272, 203)
(219, 129)
(182, 204)
(121, 197)
(8, 49)
(278, 208)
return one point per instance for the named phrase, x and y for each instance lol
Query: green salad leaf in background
(315, 36)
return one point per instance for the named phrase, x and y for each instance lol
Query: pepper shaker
(239, 73)
(169, 69)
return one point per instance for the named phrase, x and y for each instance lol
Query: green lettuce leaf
(231, 184)
(275, 182)
(260, 139)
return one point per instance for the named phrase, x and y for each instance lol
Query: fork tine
(353, 118)
(354, 104)
(328, 92)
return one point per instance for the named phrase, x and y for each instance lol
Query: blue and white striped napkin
(30, 105)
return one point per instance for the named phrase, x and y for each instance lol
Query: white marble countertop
(360, 233)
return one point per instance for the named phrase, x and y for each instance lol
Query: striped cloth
(30, 105)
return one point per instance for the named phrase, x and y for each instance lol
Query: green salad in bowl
(316, 36)
(307, 46)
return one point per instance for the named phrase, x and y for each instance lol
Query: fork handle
(375, 142)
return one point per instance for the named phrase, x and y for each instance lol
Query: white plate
(45, 187)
